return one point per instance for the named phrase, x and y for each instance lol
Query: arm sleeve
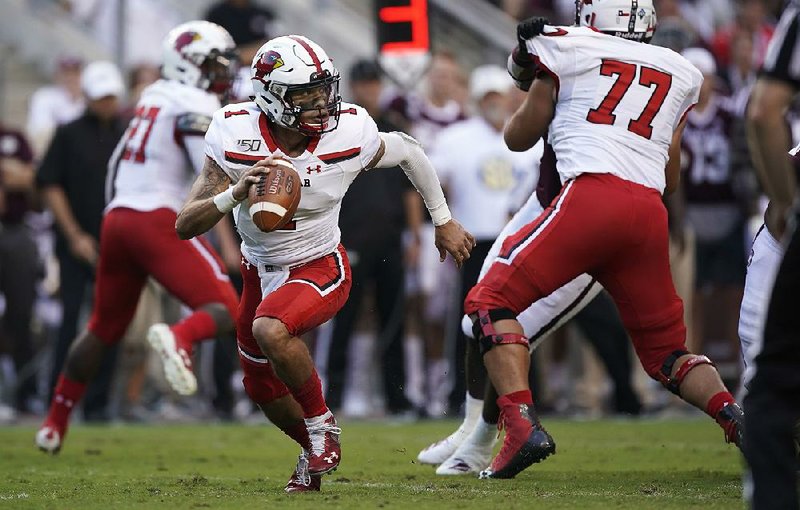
(403, 151)
(780, 62)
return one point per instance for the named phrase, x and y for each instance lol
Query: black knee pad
(485, 334)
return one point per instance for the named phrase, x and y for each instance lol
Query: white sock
(473, 408)
(483, 433)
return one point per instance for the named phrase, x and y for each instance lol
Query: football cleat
(48, 439)
(441, 450)
(325, 452)
(731, 419)
(526, 442)
(301, 480)
(176, 359)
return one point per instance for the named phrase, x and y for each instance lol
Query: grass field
(600, 464)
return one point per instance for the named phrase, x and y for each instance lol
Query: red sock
(299, 433)
(194, 328)
(66, 394)
(309, 396)
(519, 397)
(717, 402)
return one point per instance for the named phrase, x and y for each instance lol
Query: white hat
(701, 59)
(489, 78)
(101, 79)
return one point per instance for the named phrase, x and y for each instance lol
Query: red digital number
(625, 72)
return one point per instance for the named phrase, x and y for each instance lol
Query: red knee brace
(487, 336)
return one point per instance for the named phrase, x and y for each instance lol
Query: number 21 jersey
(618, 103)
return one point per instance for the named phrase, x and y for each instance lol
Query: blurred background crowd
(71, 71)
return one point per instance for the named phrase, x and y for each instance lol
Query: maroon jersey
(705, 155)
(13, 145)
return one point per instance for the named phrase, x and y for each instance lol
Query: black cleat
(526, 442)
(731, 419)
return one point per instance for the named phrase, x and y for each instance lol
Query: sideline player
(298, 277)
(615, 126)
(149, 178)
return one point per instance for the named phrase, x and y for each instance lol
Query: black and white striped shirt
(782, 61)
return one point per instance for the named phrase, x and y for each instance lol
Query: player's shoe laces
(526, 442)
(48, 438)
(177, 360)
(441, 450)
(731, 419)
(472, 456)
(301, 480)
(325, 452)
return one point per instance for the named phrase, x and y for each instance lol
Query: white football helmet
(293, 63)
(629, 19)
(200, 54)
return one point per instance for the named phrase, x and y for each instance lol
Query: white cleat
(177, 362)
(470, 457)
(48, 439)
(440, 451)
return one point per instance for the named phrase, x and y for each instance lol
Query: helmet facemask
(219, 71)
(325, 86)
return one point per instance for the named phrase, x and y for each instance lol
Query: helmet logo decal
(268, 62)
(185, 39)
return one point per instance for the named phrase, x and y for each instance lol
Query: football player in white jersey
(614, 111)
(298, 277)
(149, 177)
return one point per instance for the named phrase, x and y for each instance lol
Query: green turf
(600, 464)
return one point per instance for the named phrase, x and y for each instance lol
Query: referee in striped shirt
(772, 406)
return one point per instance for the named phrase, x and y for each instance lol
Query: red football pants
(137, 244)
(612, 229)
(302, 299)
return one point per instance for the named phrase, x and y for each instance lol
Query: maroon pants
(612, 229)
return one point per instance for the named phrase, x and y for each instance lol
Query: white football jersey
(161, 152)
(239, 137)
(619, 102)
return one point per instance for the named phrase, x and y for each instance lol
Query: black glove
(529, 28)
(521, 65)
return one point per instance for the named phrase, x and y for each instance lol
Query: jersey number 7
(625, 72)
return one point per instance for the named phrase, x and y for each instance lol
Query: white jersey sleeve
(618, 102)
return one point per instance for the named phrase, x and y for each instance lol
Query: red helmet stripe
(310, 51)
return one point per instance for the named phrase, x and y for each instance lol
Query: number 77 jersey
(618, 103)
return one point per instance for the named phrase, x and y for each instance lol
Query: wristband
(225, 201)
(440, 215)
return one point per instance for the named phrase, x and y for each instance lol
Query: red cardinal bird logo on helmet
(268, 62)
(185, 39)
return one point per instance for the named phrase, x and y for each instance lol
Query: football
(274, 199)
